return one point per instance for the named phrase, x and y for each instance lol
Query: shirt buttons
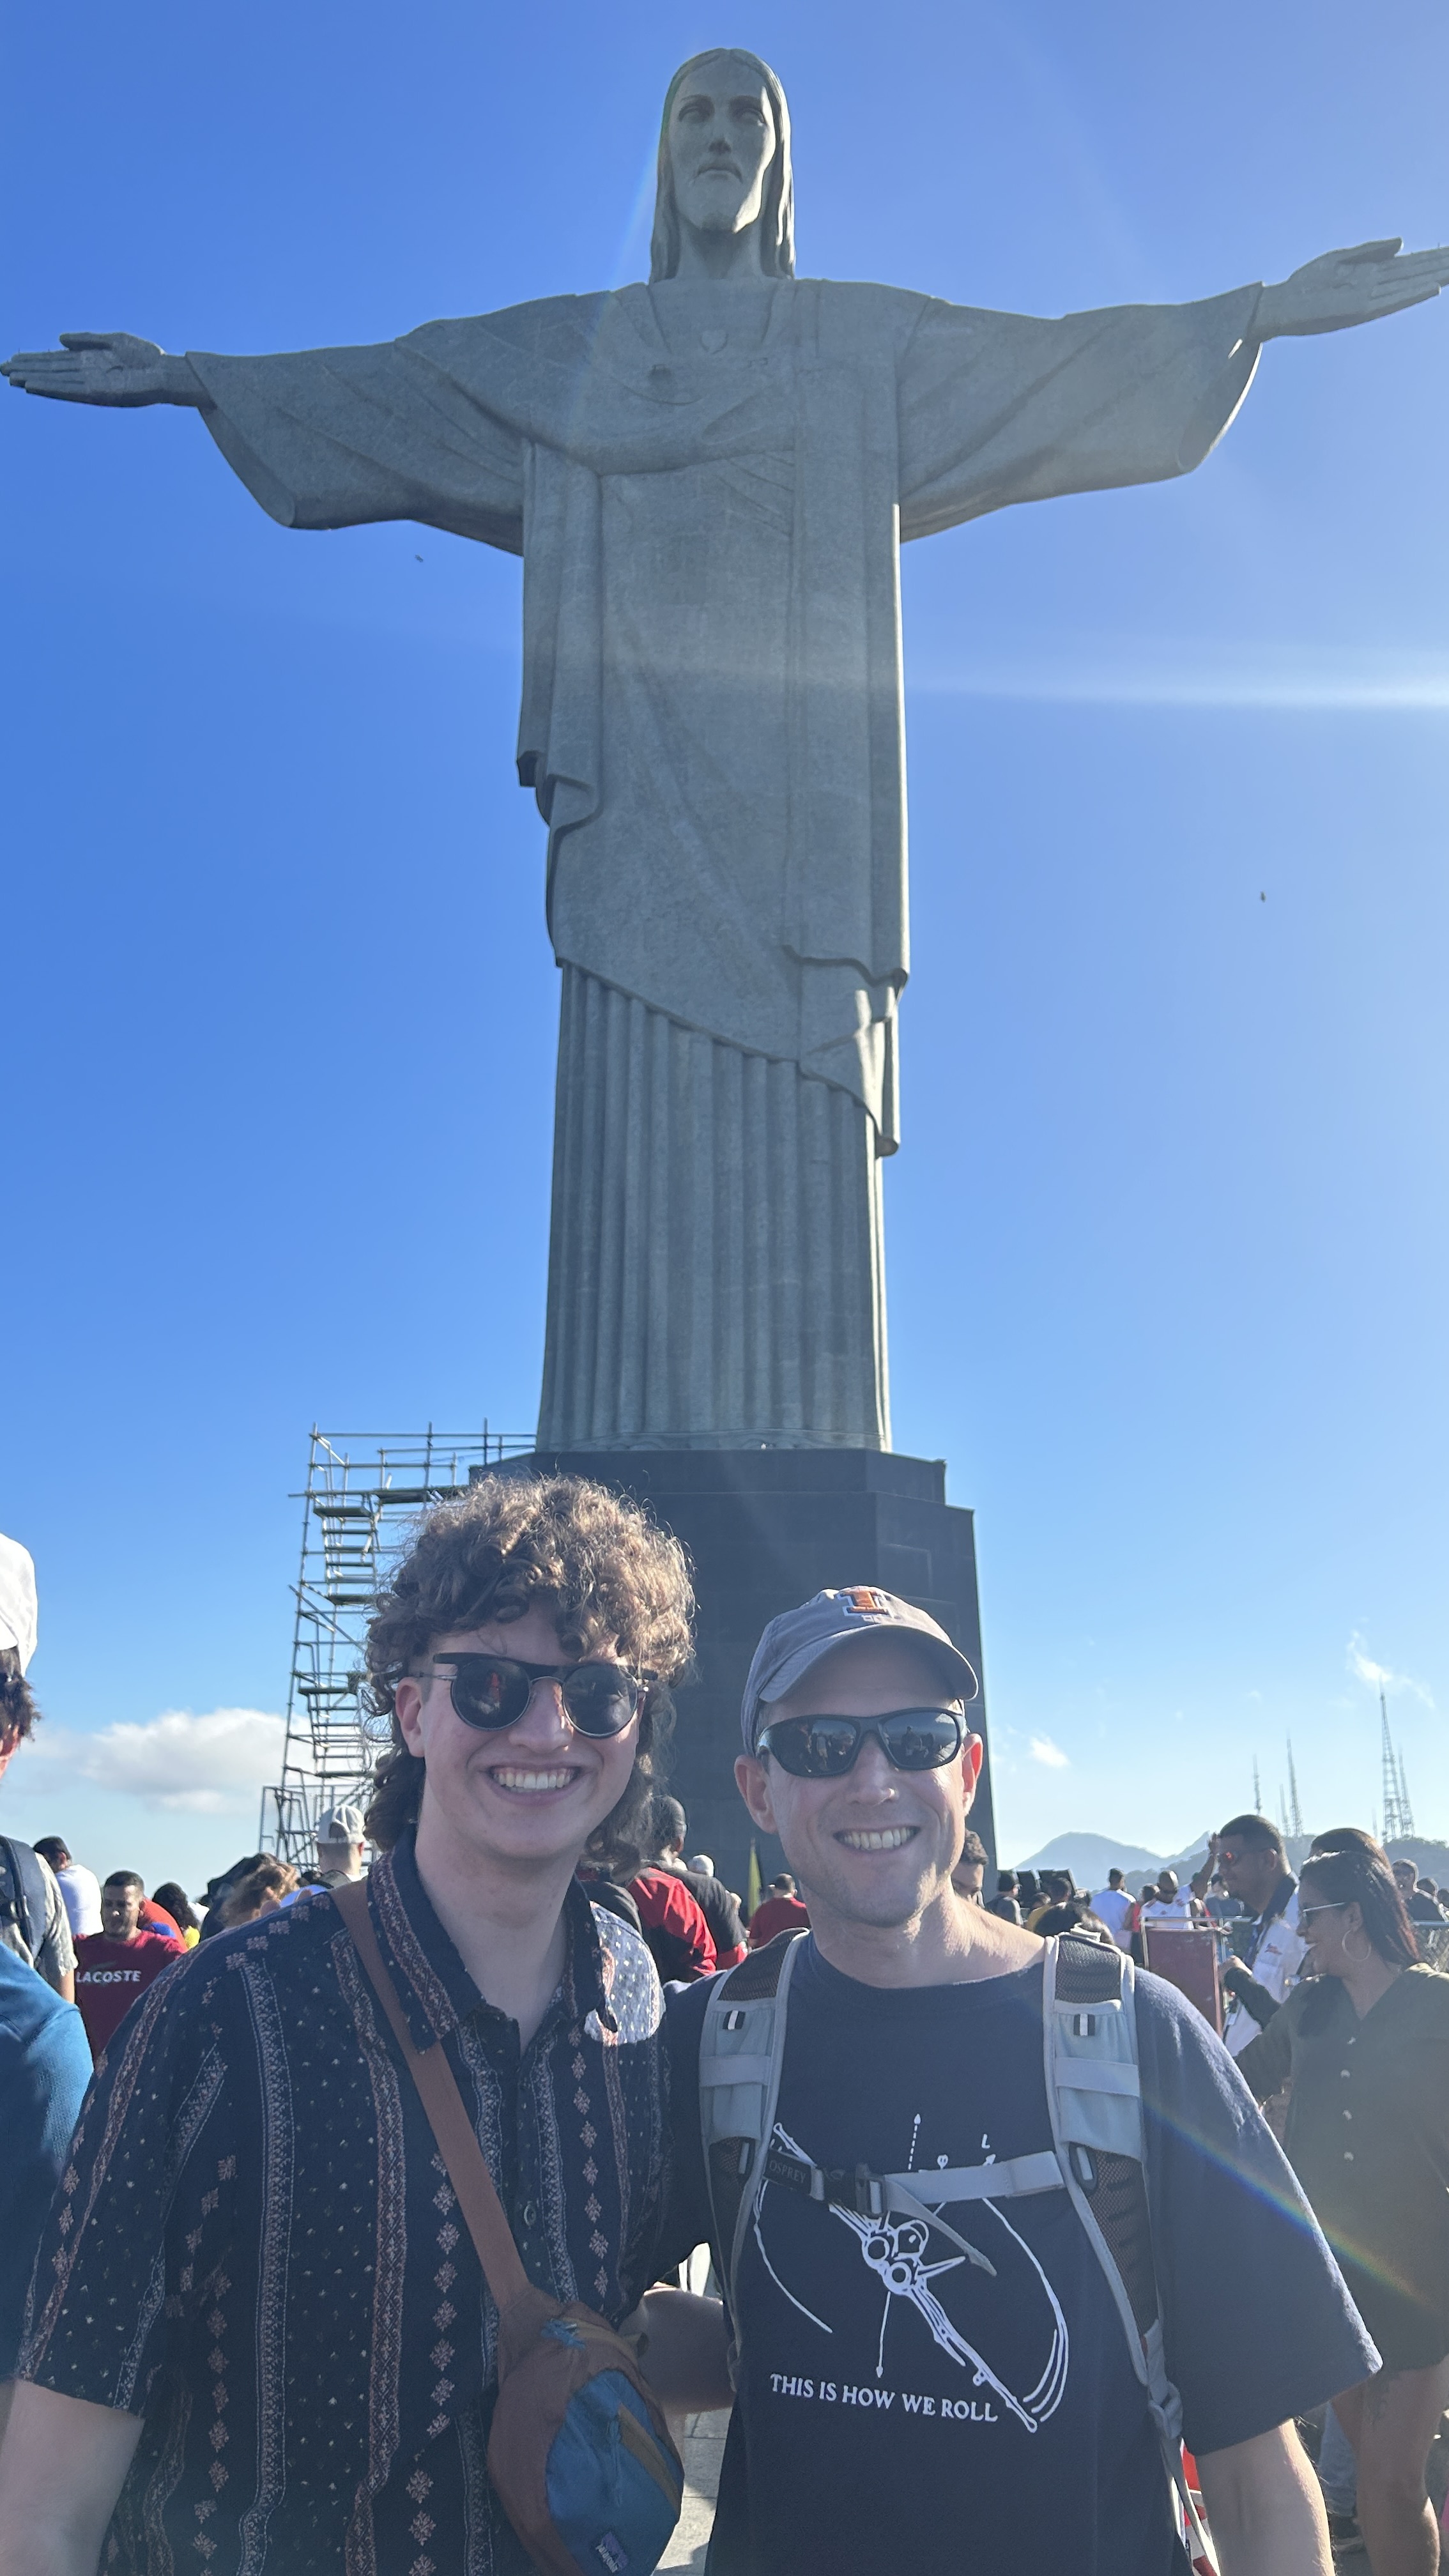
(1348, 2115)
(1348, 2155)
(530, 2211)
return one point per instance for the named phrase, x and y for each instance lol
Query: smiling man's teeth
(532, 1779)
(877, 1838)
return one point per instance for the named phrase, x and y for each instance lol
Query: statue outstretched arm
(997, 408)
(322, 438)
(1345, 287)
(108, 367)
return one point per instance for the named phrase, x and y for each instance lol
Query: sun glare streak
(631, 260)
(1284, 2200)
(1289, 683)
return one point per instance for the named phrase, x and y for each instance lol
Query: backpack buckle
(868, 2200)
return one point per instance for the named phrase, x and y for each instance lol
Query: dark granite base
(768, 1527)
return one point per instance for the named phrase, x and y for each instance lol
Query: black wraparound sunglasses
(492, 1691)
(825, 1748)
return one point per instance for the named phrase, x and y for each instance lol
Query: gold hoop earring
(1368, 1951)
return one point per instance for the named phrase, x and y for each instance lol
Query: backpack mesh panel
(1119, 2206)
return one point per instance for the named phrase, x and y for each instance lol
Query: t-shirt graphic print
(911, 2259)
(949, 2392)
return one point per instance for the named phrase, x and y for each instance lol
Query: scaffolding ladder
(363, 1495)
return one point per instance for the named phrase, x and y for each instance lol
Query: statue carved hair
(777, 207)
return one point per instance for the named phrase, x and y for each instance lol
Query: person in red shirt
(673, 1924)
(118, 1963)
(780, 1911)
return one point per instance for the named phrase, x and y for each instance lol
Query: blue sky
(1167, 1237)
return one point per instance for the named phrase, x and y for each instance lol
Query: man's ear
(753, 1783)
(408, 1707)
(973, 1753)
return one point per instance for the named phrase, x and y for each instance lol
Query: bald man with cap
(927, 2343)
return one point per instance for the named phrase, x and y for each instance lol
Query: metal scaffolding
(364, 1492)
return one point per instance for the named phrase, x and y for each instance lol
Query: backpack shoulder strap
(28, 1892)
(741, 2052)
(1094, 2097)
(1094, 2094)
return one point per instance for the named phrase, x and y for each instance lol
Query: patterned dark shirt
(255, 2245)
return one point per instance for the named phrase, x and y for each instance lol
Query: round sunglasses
(492, 1691)
(825, 1748)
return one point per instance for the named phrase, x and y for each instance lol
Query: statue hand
(1349, 286)
(111, 367)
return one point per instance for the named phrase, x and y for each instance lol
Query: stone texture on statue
(708, 485)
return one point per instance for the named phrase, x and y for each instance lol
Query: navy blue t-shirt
(903, 2405)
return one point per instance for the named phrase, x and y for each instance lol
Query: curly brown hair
(18, 1712)
(594, 1560)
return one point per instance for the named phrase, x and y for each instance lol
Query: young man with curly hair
(259, 2330)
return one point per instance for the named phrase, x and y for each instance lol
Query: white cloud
(178, 1763)
(1042, 1749)
(1378, 1676)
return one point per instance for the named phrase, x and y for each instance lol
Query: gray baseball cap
(798, 1639)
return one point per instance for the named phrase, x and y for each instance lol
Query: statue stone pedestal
(766, 1528)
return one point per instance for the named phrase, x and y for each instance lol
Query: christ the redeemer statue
(708, 479)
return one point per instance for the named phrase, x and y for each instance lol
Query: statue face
(722, 141)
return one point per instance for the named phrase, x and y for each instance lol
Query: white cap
(341, 1825)
(18, 1612)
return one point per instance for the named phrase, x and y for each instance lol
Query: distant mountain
(1090, 1856)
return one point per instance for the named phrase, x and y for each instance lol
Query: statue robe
(712, 725)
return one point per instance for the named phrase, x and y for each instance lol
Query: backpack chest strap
(872, 2195)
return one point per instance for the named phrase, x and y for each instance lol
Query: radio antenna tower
(1406, 1812)
(1295, 1813)
(1257, 1789)
(1398, 1816)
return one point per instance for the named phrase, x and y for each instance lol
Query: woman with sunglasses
(1366, 2044)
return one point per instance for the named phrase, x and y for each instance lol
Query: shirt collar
(434, 1988)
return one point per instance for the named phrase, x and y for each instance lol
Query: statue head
(724, 160)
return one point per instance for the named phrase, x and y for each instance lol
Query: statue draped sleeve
(997, 408)
(335, 438)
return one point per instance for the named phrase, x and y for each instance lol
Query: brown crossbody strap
(457, 2142)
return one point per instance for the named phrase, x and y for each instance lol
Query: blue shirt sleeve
(45, 2066)
(1257, 2323)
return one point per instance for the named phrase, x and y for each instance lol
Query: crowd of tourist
(186, 2135)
